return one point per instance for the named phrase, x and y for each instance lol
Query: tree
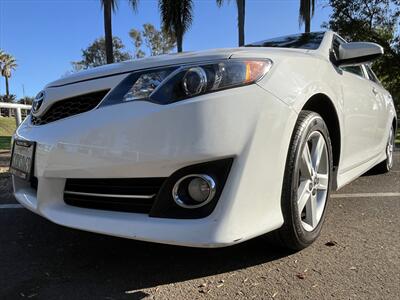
(306, 12)
(376, 21)
(157, 41)
(136, 36)
(95, 54)
(109, 6)
(8, 64)
(2, 57)
(241, 8)
(176, 18)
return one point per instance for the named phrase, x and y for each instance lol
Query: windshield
(310, 41)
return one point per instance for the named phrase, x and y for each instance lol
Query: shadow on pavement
(54, 260)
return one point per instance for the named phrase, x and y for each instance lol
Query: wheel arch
(323, 105)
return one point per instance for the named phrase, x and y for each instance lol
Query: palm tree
(176, 18)
(8, 64)
(241, 7)
(307, 9)
(2, 57)
(2, 54)
(109, 6)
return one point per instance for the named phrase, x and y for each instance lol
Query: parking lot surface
(356, 257)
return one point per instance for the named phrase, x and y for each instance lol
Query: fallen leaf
(331, 243)
(274, 294)
(301, 275)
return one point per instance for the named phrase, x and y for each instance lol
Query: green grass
(7, 128)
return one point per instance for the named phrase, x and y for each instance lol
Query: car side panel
(295, 80)
(361, 111)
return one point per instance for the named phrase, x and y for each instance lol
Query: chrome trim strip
(111, 195)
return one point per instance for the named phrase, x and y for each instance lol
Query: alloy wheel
(390, 149)
(313, 181)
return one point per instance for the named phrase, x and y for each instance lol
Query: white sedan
(207, 149)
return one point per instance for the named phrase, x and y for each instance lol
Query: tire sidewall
(313, 123)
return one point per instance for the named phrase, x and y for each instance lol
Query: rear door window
(357, 70)
(372, 75)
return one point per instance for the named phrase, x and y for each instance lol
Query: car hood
(169, 59)
(144, 63)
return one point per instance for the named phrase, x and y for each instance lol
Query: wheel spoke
(317, 152)
(303, 195)
(311, 211)
(323, 182)
(306, 163)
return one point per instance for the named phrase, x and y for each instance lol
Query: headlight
(172, 84)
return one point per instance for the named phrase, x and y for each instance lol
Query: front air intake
(69, 107)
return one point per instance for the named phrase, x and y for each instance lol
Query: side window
(357, 70)
(335, 46)
(372, 75)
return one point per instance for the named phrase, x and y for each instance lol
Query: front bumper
(140, 139)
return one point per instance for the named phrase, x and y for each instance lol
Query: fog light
(194, 191)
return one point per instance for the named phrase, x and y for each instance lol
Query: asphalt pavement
(356, 257)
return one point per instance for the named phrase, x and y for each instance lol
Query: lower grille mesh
(127, 195)
(69, 107)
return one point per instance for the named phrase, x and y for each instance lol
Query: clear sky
(46, 35)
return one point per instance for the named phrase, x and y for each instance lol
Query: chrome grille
(69, 107)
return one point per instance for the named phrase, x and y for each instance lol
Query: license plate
(22, 159)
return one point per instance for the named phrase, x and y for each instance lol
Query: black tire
(292, 235)
(386, 165)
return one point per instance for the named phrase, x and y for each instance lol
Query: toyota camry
(209, 148)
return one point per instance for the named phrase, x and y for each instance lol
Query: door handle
(375, 91)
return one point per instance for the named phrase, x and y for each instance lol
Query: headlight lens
(168, 85)
(145, 85)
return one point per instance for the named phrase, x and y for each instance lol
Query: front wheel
(307, 182)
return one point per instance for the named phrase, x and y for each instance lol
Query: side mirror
(358, 53)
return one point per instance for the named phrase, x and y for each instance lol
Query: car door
(360, 114)
(361, 109)
(384, 100)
